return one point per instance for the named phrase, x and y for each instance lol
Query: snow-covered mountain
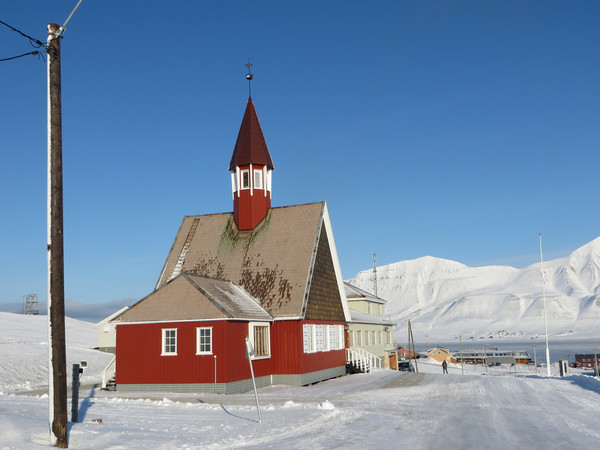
(444, 299)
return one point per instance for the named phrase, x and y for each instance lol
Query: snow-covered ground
(385, 409)
(24, 351)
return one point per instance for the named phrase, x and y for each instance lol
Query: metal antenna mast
(374, 274)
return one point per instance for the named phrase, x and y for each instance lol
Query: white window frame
(164, 342)
(247, 172)
(251, 327)
(199, 331)
(324, 338)
(258, 179)
(331, 341)
(309, 338)
(319, 338)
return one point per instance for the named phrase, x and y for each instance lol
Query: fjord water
(559, 348)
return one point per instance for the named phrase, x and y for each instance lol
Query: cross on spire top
(249, 77)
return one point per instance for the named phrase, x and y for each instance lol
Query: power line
(35, 42)
(24, 54)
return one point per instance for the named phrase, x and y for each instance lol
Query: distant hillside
(444, 299)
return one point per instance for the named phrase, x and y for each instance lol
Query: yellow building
(441, 354)
(370, 333)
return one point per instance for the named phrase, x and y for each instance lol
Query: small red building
(586, 360)
(404, 353)
(267, 274)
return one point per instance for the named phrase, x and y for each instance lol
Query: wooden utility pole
(57, 366)
(411, 345)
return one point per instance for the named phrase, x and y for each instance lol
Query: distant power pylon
(30, 305)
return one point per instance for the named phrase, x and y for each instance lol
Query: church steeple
(251, 168)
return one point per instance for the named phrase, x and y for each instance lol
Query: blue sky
(454, 129)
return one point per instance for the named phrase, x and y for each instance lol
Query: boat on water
(493, 356)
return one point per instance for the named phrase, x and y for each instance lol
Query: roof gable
(250, 146)
(354, 293)
(323, 301)
(229, 298)
(358, 317)
(272, 262)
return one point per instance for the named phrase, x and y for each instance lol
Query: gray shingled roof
(233, 300)
(354, 293)
(358, 317)
(192, 297)
(272, 262)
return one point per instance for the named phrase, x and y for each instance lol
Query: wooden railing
(362, 359)
(109, 372)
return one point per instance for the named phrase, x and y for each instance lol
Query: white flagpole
(545, 314)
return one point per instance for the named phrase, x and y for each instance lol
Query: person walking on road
(444, 366)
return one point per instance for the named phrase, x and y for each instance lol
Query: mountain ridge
(445, 299)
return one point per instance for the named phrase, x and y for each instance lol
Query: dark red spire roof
(250, 147)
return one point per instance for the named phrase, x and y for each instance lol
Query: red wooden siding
(139, 348)
(140, 360)
(288, 349)
(249, 210)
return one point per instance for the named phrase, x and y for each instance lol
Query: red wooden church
(267, 274)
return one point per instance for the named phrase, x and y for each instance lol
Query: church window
(309, 338)
(204, 341)
(245, 179)
(260, 340)
(169, 341)
(258, 179)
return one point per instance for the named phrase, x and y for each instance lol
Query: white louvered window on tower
(245, 182)
(258, 179)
